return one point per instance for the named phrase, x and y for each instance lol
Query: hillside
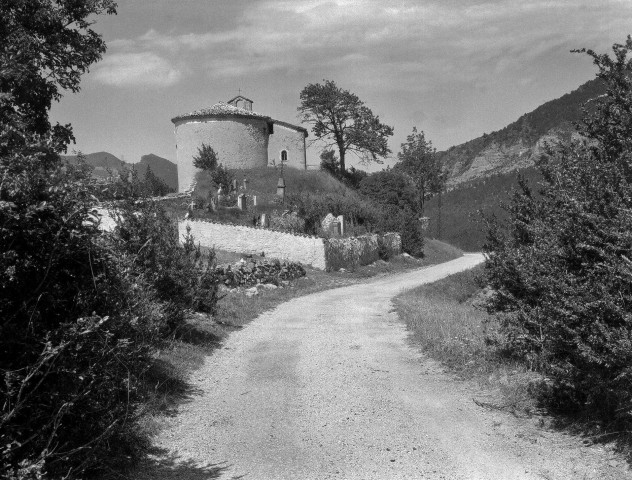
(458, 221)
(161, 167)
(518, 144)
(105, 164)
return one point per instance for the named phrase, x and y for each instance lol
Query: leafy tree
(206, 158)
(329, 162)
(390, 187)
(418, 159)
(45, 46)
(344, 121)
(154, 185)
(561, 269)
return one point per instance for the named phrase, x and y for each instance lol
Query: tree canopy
(418, 159)
(45, 47)
(341, 119)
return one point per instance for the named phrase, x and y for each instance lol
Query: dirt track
(327, 386)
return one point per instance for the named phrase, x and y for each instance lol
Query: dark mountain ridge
(105, 165)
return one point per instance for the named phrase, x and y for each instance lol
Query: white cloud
(136, 69)
(409, 42)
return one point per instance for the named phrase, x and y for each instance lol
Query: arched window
(284, 155)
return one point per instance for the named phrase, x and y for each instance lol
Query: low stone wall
(391, 244)
(241, 239)
(351, 252)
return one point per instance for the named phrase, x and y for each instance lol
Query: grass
(447, 321)
(186, 350)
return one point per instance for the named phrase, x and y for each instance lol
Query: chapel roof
(221, 109)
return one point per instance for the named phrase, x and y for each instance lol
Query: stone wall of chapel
(293, 141)
(239, 143)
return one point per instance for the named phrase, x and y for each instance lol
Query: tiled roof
(221, 109)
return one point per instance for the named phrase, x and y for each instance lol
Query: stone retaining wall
(241, 239)
(324, 254)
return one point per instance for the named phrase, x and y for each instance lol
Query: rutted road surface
(327, 386)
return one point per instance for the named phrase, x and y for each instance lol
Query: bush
(562, 269)
(77, 328)
(182, 277)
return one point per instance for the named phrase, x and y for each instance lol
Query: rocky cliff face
(518, 145)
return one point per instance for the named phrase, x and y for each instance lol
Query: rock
(268, 286)
(251, 292)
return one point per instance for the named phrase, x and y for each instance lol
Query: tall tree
(45, 47)
(418, 159)
(341, 119)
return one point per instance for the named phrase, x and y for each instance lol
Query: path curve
(326, 386)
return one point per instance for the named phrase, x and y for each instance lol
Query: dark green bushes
(182, 278)
(76, 329)
(561, 269)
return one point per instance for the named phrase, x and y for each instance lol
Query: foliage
(418, 159)
(314, 207)
(222, 177)
(329, 162)
(287, 222)
(561, 269)
(390, 188)
(44, 46)
(154, 186)
(397, 195)
(246, 274)
(76, 329)
(456, 217)
(181, 276)
(341, 118)
(206, 158)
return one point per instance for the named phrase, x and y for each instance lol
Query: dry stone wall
(241, 239)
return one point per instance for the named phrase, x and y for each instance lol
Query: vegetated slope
(263, 182)
(517, 145)
(459, 221)
(105, 165)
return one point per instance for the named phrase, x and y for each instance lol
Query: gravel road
(326, 386)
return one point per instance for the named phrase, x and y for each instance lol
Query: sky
(454, 69)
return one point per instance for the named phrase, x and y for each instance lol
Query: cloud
(415, 44)
(125, 69)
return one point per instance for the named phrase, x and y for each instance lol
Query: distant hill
(517, 145)
(161, 167)
(105, 164)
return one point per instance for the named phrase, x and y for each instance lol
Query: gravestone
(254, 200)
(241, 202)
(334, 229)
(327, 221)
(265, 222)
(234, 185)
(341, 221)
(245, 182)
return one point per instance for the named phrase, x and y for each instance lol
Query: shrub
(561, 268)
(287, 222)
(206, 158)
(77, 329)
(181, 276)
